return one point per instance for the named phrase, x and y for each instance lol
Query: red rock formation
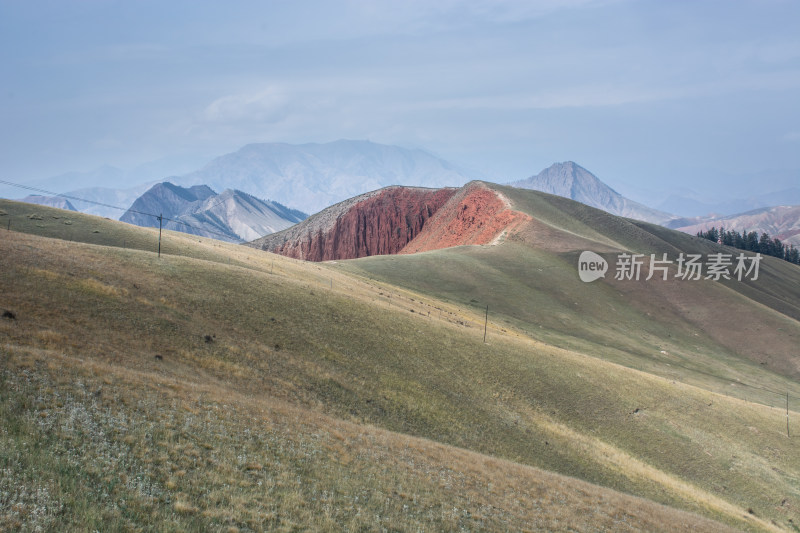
(398, 220)
(381, 223)
(476, 215)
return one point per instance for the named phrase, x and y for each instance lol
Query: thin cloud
(268, 105)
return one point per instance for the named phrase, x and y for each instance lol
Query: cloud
(269, 105)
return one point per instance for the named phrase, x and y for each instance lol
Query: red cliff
(398, 220)
(377, 223)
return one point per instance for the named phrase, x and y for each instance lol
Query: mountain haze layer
(575, 182)
(52, 201)
(311, 177)
(107, 201)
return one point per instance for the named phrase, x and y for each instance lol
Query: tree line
(752, 242)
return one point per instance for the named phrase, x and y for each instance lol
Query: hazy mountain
(112, 177)
(782, 222)
(50, 201)
(107, 202)
(311, 177)
(575, 182)
(106, 175)
(107, 184)
(231, 215)
(692, 205)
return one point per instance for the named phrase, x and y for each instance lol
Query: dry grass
(182, 455)
(322, 401)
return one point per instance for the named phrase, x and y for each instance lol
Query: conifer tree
(765, 244)
(751, 242)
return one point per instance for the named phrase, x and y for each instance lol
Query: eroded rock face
(382, 223)
(400, 220)
(475, 215)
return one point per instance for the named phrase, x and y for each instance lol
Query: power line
(162, 218)
(69, 197)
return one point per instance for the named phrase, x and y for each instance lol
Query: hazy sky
(641, 93)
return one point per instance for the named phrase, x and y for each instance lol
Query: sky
(648, 95)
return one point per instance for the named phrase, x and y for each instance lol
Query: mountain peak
(570, 180)
(314, 176)
(232, 215)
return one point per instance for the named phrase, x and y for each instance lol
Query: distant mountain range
(114, 185)
(782, 222)
(231, 215)
(576, 183)
(312, 177)
(100, 200)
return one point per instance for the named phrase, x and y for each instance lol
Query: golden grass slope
(291, 396)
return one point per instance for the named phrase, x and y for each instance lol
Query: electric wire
(69, 197)
(78, 199)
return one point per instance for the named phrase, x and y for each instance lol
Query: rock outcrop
(377, 223)
(398, 220)
(475, 215)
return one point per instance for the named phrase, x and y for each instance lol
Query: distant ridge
(782, 222)
(232, 215)
(50, 201)
(572, 181)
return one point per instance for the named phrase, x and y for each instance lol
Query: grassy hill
(222, 388)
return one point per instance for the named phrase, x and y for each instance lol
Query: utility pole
(787, 414)
(160, 219)
(486, 324)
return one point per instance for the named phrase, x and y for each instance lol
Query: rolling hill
(222, 387)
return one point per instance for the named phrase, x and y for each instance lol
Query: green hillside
(708, 333)
(222, 388)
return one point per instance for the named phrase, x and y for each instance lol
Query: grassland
(290, 396)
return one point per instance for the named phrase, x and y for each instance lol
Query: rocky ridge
(398, 220)
(230, 215)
